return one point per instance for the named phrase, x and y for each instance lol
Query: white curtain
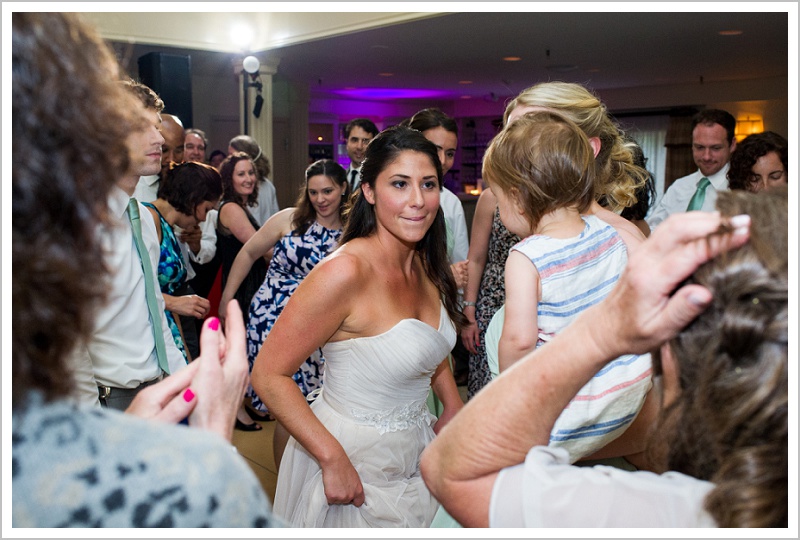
(651, 133)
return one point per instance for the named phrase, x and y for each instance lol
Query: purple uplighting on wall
(391, 93)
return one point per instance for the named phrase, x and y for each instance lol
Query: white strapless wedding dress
(373, 401)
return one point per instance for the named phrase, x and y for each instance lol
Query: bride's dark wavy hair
(361, 222)
(729, 424)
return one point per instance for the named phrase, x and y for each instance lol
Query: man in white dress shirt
(359, 132)
(120, 358)
(172, 150)
(198, 244)
(713, 141)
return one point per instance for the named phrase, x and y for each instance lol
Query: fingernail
(699, 300)
(188, 395)
(742, 220)
(213, 323)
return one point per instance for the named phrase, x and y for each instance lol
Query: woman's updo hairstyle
(734, 358)
(618, 179)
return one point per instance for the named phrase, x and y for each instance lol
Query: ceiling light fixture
(242, 35)
(511, 58)
(562, 68)
(386, 74)
(464, 82)
(730, 32)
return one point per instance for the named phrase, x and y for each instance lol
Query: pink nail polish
(188, 395)
(214, 324)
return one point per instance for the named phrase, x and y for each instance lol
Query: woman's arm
(234, 217)
(183, 339)
(462, 463)
(444, 386)
(520, 327)
(257, 246)
(476, 263)
(314, 313)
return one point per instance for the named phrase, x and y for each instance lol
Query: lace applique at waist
(399, 418)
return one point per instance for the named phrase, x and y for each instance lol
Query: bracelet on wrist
(468, 304)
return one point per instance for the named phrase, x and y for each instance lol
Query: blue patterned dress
(292, 259)
(171, 272)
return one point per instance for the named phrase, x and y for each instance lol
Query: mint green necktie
(696, 203)
(149, 287)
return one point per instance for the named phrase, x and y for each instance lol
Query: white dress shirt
(546, 491)
(267, 204)
(208, 244)
(456, 226)
(121, 349)
(354, 183)
(147, 188)
(677, 197)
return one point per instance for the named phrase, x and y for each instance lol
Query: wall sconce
(250, 79)
(748, 126)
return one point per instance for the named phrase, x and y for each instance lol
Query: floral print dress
(171, 272)
(491, 297)
(293, 258)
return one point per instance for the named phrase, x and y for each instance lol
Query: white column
(259, 128)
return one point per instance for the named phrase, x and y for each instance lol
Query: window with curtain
(650, 131)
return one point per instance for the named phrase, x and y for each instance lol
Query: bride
(382, 307)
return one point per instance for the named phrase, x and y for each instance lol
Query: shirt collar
(118, 202)
(719, 179)
(150, 179)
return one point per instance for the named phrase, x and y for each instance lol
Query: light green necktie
(696, 203)
(149, 287)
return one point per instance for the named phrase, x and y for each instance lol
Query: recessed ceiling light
(562, 68)
(730, 32)
(386, 74)
(464, 82)
(593, 70)
(466, 97)
(511, 58)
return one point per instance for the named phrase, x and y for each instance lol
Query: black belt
(112, 391)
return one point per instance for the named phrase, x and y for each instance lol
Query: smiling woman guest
(382, 308)
(236, 225)
(298, 238)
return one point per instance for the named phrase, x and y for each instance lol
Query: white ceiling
(602, 50)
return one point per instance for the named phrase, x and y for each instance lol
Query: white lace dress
(374, 402)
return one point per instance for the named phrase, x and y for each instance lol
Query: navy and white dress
(294, 256)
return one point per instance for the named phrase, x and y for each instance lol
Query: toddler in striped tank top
(541, 168)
